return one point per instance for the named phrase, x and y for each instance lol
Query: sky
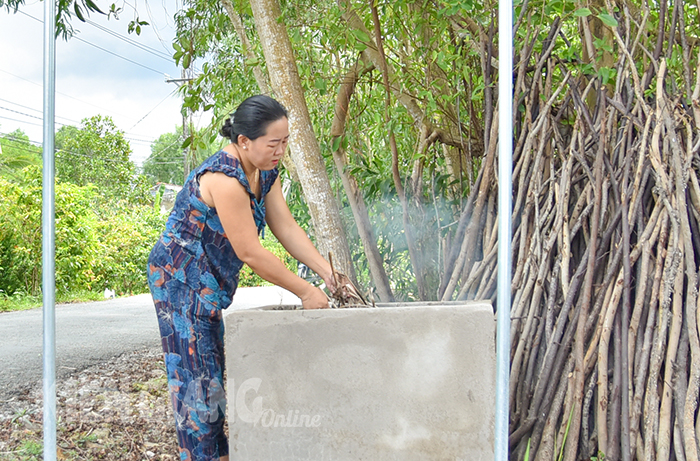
(125, 78)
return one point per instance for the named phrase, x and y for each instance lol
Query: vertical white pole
(505, 190)
(48, 232)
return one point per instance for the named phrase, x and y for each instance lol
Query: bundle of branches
(605, 331)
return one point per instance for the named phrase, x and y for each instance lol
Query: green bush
(99, 244)
(20, 238)
(248, 278)
(21, 234)
(126, 237)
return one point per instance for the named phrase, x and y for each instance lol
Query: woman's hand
(343, 291)
(329, 280)
(314, 298)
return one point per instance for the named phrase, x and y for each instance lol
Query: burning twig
(344, 294)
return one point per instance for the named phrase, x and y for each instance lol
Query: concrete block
(403, 381)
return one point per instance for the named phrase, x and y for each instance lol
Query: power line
(63, 124)
(166, 46)
(27, 115)
(164, 149)
(154, 108)
(58, 151)
(34, 110)
(64, 94)
(103, 49)
(132, 42)
(21, 121)
(9, 137)
(119, 56)
(147, 141)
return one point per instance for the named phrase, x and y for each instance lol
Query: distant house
(167, 200)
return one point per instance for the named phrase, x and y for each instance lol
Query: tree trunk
(260, 78)
(306, 152)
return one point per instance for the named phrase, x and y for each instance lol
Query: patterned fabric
(193, 274)
(192, 335)
(194, 248)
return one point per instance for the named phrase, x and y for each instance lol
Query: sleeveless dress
(193, 274)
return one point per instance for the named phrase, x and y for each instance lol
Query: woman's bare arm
(291, 235)
(232, 204)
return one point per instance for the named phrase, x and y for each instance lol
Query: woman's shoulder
(220, 157)
(220, 162)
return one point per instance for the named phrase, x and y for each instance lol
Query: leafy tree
(16, 152)
(326, 38)
(165, 164)
(605, 354)
(96, 247)
(304, 146)
(97, 153)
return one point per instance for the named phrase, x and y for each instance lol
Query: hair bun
(227, 129)
(252, 117)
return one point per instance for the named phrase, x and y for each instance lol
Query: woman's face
(267, 151)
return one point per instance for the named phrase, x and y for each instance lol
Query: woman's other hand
(314, 298)
(343, 291)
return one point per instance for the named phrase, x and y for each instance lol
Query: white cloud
(90, 81)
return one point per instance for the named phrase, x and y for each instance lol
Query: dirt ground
(118, 410)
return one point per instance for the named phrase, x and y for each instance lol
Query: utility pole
(185, 122)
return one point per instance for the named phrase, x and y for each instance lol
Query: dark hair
(252, 118)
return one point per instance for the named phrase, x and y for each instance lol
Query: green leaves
(606, 74)
(96, 246)
(254, 61)
(335, 145)
(166, 162)
(320, 84)
(358, 39)
(608, 19)
(93, 7)
(362, 39)
(78, 13)
(96, 153)
(16, 152)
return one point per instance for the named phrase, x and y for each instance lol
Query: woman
(193, 269)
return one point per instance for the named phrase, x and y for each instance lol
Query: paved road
(89, 333)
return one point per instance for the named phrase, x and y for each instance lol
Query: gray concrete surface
(400, 382)
(86, 333)
(89, 333)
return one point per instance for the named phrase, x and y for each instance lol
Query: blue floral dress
(193, 274)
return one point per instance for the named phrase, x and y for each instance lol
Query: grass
(29, 450)
(21, 301)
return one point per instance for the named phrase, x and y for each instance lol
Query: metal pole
(505, 190)
(48, 232)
